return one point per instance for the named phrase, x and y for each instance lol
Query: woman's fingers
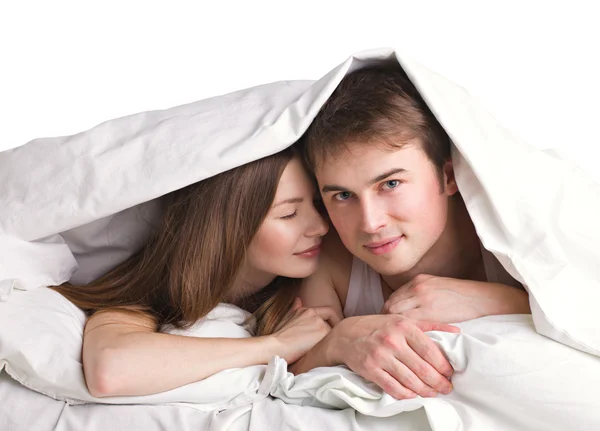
(328, 314)
(296, 305)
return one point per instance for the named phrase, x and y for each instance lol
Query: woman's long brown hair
(191, 261)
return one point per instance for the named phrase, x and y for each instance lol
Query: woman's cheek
(281, 239)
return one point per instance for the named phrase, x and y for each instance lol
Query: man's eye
(342, 196)
(391, 184)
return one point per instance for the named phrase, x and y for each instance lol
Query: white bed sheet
(22, 409)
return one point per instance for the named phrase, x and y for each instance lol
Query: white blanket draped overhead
(73, 207)
(536, 213)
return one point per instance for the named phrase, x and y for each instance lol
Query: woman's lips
(310, 252)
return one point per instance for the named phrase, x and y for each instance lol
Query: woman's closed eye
(290, 216)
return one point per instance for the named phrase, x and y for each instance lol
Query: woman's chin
(301, 270)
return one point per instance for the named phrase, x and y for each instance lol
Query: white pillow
(29, 265)
(41, 339)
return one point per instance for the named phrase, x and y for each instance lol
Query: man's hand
(451, 300)
(391, 351)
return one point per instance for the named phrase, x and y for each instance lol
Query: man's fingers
(433, 326)
(399, 306)
(425, 379)
(429, 352)
(390, 385)
(407, 377)
(414, 314)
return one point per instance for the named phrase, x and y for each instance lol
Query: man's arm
(451, 300)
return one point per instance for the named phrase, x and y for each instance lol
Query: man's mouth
(384, 246)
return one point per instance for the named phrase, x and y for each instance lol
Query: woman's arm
(124, 355)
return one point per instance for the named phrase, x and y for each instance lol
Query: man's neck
(456, 254)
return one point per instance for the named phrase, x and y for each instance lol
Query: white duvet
(507, 376)
(72, 207)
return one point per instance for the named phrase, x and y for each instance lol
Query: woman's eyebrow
(289, 201)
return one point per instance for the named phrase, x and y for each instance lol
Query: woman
(245, 237)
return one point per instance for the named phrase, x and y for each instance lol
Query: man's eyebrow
(289, 201)
(387, 174)
(328, 188)
(333, 188)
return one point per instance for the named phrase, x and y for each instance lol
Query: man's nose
(374, 216)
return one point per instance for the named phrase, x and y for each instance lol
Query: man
(407, 247)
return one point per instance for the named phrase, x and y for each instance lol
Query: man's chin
(390, 271)
(387, 265)
(386, 268)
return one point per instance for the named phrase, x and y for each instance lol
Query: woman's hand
(303, 328)
(450, 300)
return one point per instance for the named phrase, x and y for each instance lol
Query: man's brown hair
(377, 105)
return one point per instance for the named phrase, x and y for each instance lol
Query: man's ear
(450, 187)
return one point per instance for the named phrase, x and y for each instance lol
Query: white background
(66, 66)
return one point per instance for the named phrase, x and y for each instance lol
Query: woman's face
(288, 242)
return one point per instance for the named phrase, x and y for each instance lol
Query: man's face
(387, 205)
